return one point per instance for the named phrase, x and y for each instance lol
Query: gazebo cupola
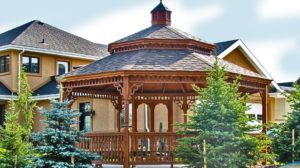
(161, 15)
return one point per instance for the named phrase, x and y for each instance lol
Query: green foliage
(14, 135)
(219, 118)
(15, 150)
(282, 144)
(56, 144)
(25, 104)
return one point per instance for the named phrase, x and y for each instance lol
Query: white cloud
(278, 9)
(117, 24)
(270, 54)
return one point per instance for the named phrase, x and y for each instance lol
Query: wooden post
(134, 115)
(184, 109)
(152, 122)
(119, 113)
(264, 97)
(134, 126)
(125, 92)
(170, 115)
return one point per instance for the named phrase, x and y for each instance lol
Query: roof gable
(234, 44)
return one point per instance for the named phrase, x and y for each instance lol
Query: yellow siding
(238, 58)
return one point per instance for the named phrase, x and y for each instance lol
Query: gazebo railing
(109, 146)
(145, 148)
(153, 148)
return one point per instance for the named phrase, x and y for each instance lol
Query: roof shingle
(40, 35)
(160, 32)
(158, 60)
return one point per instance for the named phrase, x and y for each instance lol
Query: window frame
(7, 63)
(30, 64)
(63, 63)
(83, 116)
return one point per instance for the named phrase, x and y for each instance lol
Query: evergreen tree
(219, 118)
(57, 143)
(282, 143)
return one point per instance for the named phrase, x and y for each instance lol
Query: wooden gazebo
(156, 65)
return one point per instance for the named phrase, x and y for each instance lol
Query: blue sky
(270, 28)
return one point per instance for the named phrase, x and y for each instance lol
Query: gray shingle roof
(222, 46)
(160, 32)
(40, 35)
(49, 88)
(158, 60)
(4, 90)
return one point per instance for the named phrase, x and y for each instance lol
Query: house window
(63, 67)
(2, 114)
(31, 64)
(4, 64)
(259, 117)
(85, 120)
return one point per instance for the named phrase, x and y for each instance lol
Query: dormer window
(31, 64)
(63, 67)
(4, 64)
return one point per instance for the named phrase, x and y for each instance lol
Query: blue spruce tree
(57, 143)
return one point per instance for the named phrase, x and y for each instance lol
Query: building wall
(281, 109)
(238, 58)
(105, 114)
(38, 125)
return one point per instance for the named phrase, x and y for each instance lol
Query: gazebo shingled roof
(159, 60)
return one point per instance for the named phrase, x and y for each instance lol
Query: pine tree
(57, 143)
(282, 143)
(219, 118)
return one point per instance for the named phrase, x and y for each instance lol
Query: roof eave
(143, 72)
(52, 52)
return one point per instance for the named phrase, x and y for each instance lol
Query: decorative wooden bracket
(67, 94)
(135, 87)
(119, 87)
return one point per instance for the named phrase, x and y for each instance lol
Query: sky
(269, 28)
